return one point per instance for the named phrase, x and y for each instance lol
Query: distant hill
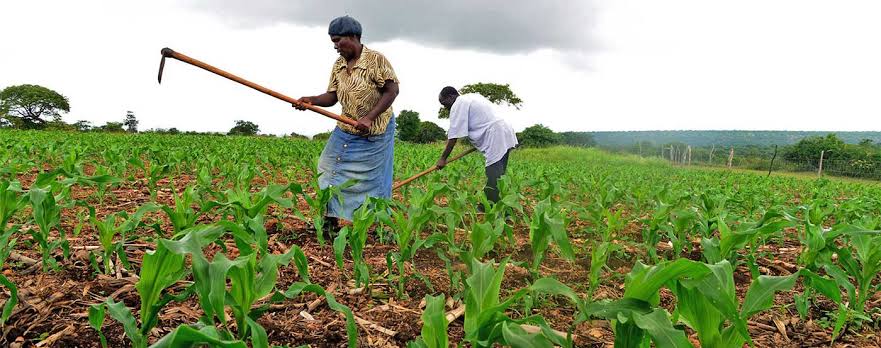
(723, 138)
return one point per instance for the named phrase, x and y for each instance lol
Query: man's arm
(442, 162)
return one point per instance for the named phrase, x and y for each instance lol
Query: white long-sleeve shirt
(472, 116)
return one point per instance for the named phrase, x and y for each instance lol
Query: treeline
(411, 129)
(722, 137)
(859, 159)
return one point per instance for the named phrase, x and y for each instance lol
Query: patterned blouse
(359, 91)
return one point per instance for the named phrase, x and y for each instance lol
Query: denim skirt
(368, 160)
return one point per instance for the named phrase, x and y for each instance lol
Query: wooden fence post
(820, 169)
(772, 161)
(689, 154)
(730, 157)
(711, 153)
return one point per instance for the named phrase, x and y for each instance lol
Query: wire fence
(854, 168)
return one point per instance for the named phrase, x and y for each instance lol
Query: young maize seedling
(182, 215)
(160, 269)
(485, 321)
(47, 214)
(548, 223)
(6, 246)
(599, 255)
(318, 204)
(297, 289)
(108, 229)
(434, 325)
(364, 218)
(407, 229)
(96, 321)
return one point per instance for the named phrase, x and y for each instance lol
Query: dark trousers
(493, 173)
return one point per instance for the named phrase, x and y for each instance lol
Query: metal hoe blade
(166, 52)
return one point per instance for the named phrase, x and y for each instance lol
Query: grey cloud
(500, 26)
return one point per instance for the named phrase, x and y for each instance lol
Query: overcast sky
(578, 65)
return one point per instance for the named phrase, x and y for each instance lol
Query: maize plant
(47, 214)
(160, 269)
(599, 256)
(97, 313)
(297, 289)
(248, 205)
(117, 224)
(487, 324)
(731, 243)
(706, 302)
(6, 245)
(407, 228)
(855, 270)
(318, 204)
(181, 215)
(434, 325)
(364, 218)
(548, 223)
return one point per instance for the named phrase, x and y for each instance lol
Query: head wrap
(344, 26)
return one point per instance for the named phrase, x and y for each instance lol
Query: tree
(131, 123)
(579, 139)
(429, 133)
(4, 122)
(295, 135)
(28, 106)
(539, 136)
(322, 136)
(59, 125)
(808, 149)
(82, 125)
(494, 92)
(407, 125)
(113, 127)
(244, 128)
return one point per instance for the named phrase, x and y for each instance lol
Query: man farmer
(364, 83)
(471, 115)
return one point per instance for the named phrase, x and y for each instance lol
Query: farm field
(169, 241)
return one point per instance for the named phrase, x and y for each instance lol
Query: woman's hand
(302, 102)
(364, 124)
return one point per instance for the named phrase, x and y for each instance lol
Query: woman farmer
(364, 83)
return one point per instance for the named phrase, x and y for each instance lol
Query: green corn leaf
(351, 328)
(339, 246)
(434, 323)
(11, 302)
(159, 270)
(186, 336)
(613, 309)
(301, 262)
(552, 286)
(561, 237)
(96, 321)
(482, 296)
(217, 274)
(760, 295)
(658, 326)
(643, 282)
(259, 338)
(123, 315)
(515, 336)
(825, 286)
